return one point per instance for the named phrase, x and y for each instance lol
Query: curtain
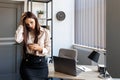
(90, 25)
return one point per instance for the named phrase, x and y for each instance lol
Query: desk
(90, 75)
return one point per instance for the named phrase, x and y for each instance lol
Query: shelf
(42, 1)
(49, 19)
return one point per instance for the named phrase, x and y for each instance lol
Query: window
(90, 23)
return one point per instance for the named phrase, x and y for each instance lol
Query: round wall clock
(60, 16)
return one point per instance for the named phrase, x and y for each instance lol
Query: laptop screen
(65, 65)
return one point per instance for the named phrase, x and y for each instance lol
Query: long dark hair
(25, 28)
(37, 26)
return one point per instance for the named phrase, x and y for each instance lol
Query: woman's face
(30, 22)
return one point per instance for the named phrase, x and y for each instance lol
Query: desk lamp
(94, 56)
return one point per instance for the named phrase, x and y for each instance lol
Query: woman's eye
(31, 22)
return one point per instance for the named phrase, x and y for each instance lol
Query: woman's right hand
(22, 17)
(35, 47)
(30, 46)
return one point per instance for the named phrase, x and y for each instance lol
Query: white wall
(63, 31)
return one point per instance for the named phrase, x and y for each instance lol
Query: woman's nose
(29, 25)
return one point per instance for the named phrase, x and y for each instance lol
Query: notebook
(65, 65)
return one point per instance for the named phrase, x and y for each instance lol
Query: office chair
(68, 53)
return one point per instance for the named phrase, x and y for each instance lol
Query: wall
(113, 37)
(63, 31)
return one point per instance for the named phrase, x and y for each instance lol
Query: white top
(43, 40)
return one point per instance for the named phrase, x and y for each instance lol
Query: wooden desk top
(89, 75)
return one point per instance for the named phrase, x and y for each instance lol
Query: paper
(84, 68)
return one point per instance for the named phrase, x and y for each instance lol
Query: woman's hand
(35, 47)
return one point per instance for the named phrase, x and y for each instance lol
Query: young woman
(36, 46)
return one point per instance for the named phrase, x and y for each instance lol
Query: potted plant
(40, 13)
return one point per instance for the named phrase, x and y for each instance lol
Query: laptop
(66, 65)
